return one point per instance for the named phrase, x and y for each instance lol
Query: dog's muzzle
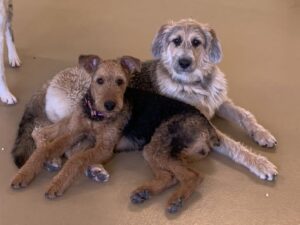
(185, 63)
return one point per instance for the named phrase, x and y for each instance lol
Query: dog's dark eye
(119, 82)
(100, 81)
(196, 42)
(177, 41)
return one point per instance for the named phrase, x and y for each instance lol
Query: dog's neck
(88, 105)
(206, 95)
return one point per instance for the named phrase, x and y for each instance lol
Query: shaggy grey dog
(187, 54)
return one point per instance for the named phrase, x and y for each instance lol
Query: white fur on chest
(206, 99)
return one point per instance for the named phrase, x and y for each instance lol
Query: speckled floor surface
(261, 44)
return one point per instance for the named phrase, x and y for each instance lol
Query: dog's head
(185, 46)
(109, 80)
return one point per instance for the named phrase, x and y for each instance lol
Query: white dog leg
(5, 94)
(247, 121)
(257, 164)
(13, 58)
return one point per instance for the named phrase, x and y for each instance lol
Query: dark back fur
(149, 111)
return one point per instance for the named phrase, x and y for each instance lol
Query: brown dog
(101, 120)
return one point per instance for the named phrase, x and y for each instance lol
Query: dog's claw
(18, 185)
(264, 138)
(54, 191)
(21, 180)
(13, 59)
(174, 207)
(53, 195)
(264, 169)
(140, 196)
(7, 97)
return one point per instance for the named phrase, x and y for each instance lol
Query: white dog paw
(14, 60)
(264, 138)
(53, 165)
(7, 97)
(264, 169)
(97, 173)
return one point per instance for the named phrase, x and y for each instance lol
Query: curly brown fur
(175, 142)
(105, 87)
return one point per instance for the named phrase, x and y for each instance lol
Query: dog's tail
(34, 115)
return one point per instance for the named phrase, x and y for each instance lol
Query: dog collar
(89, 109)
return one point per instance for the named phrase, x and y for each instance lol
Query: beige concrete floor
(261, 43)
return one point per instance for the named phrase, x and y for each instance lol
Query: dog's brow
(172, 32)
(196, 30)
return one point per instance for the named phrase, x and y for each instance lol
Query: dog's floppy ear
(89, 62)
(213, 46)
(160, 39)
(131, 64)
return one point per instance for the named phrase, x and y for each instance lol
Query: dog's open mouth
(89, 108)
(96, 113)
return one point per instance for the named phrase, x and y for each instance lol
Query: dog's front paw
(21, 180)
(174, 206)
(97, 173)
(264, 169)
(54, 191)
(7, 97)
(264, 138)
(139, 196)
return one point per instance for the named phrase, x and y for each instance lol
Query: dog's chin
(186, 76)
(183, 72)
(111, 114)
(183, 77)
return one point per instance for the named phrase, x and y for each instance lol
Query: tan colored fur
(53, 140)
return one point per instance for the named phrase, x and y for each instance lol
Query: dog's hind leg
(78, 163)
(13, 58)
(168, 170)
(188, 178)
(5, 95)
(228, 110)
(257, 164)
(44, 135)
(163, 179)
(35, 163)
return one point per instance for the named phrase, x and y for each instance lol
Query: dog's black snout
(184, 62)
(110, 105)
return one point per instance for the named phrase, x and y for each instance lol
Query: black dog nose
(184, 62)
(110, 105)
